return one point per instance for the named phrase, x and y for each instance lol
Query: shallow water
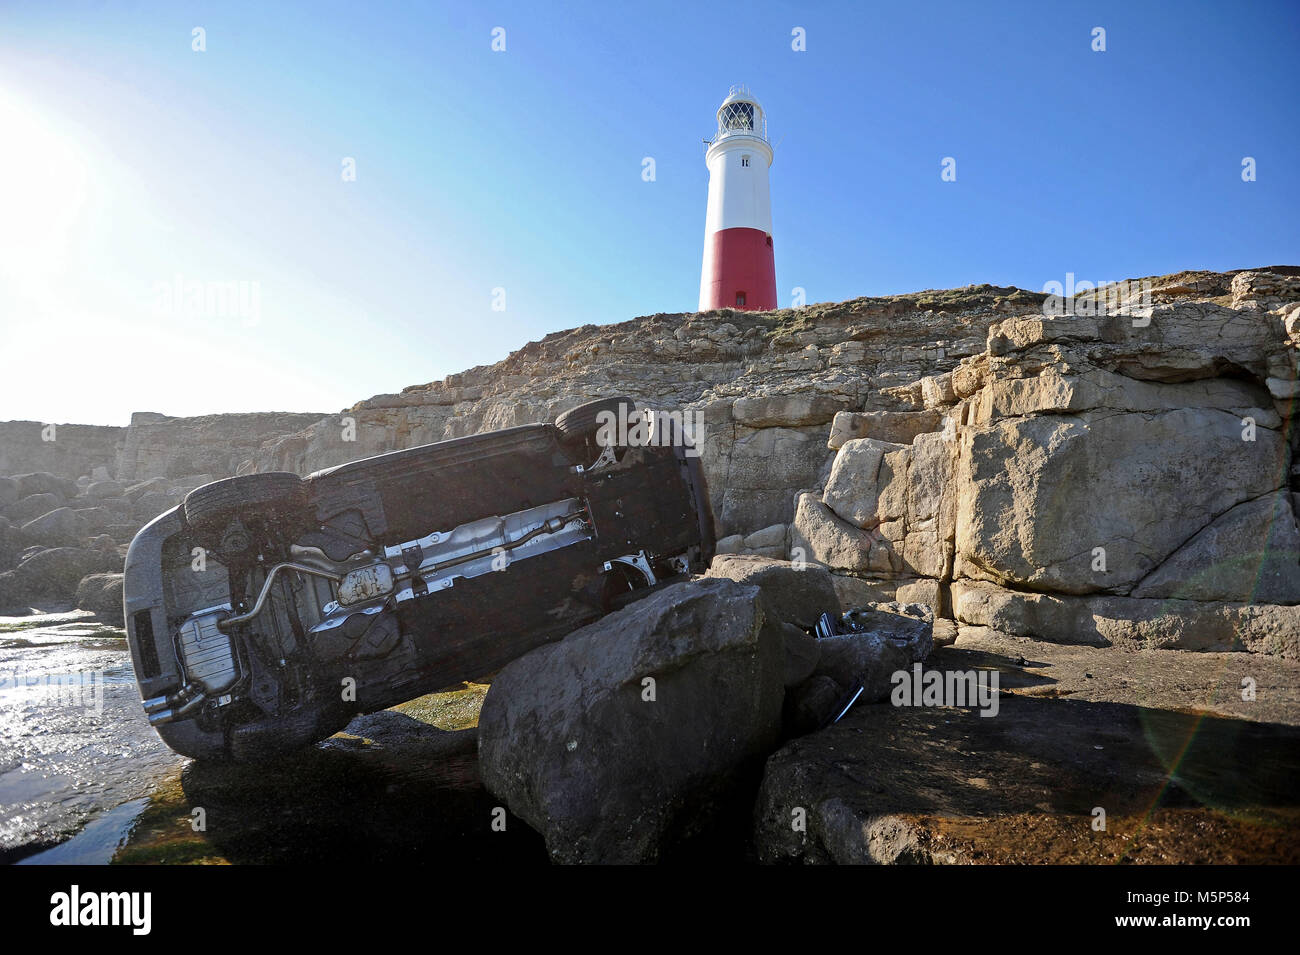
(74, 743)
(84, 779)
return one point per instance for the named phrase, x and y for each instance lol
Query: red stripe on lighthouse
(744, 271)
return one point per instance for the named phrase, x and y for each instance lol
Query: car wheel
(580, 424)
(276, 499)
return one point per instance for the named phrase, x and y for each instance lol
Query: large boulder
(61, 527)
(11, 544)
(102, 595)
(891, 636)
(43, 482)
(821, 536)
(52, 576)
(1039, 495)
(862, 469)
(152, 503)
(610, 768)
(797, 594)
(895, 427)
(1133, 622)
(32, 505)
(104, 489)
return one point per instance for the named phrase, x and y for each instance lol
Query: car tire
(580, 424)
(276, 497)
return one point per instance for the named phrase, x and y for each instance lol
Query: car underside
(267, 610)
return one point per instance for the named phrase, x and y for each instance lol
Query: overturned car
(266, 610)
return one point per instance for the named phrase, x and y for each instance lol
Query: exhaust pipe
(165, 709)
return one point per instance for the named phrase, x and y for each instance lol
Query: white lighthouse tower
(739, 263)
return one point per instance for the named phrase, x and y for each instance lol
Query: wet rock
(102, 595)
(608, 775)
(52, 576)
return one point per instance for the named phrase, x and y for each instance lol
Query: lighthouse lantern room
(739, 268)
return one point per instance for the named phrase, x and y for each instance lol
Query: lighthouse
(739, 264)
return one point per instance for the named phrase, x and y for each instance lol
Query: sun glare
(44, 180)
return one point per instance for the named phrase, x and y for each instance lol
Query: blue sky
(129, 159)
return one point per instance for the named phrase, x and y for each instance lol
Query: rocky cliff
(768, 386)
(1115, 467)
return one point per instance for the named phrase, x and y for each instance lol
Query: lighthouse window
(744, 160)
(737, 116)
(740, 298)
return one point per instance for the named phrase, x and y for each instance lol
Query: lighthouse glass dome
(740, 115)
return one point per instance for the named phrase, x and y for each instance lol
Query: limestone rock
(103, 489)
(1251, 554)
(33, 505)
(1039, 495)
(611, 778)
(857, 478)
(61, 527)
(820, 536)
(1139, 623)
(785, 411)
(894, 427)
(794, 595)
